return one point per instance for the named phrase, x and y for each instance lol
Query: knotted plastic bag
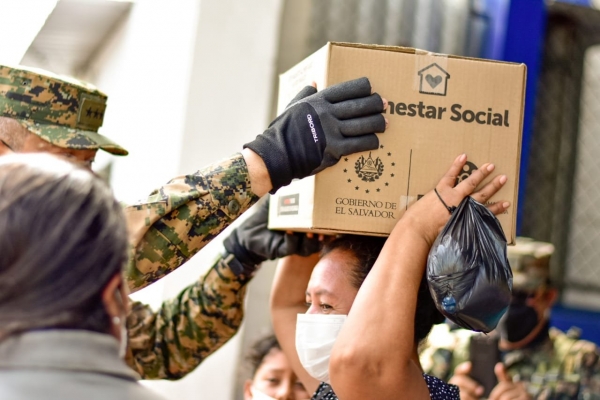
(468, 272)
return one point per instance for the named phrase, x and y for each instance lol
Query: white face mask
(122, 322)
(258, 395)
(315, 336)
(124, 339)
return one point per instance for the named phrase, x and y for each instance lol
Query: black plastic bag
(468, 272)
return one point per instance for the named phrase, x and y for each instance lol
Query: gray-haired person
(63, 302)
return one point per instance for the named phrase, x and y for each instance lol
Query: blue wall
(564, 318)
(522, 41)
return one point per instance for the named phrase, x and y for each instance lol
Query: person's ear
(551, 296)
(247, 392)
(4, 148)
(115, 300)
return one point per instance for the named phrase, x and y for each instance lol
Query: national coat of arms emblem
(368, 169)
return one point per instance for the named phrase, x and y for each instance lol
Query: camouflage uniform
(62, 111)
(170, 343)
(560, 367)
(172, 225)
(180, 218)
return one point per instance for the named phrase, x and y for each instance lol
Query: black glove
(318, 128)
(252, 242)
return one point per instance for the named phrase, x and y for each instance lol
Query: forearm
(180, 218)
(288, 299)
(257, 170)
(290, 282)
(170, 343)
(382, 316)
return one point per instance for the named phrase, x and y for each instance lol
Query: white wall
(145, 69)
(189, 82)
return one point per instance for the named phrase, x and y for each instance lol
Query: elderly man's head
(20, 140)
(42, 112)
(63, 243)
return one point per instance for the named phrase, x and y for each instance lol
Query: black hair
(365, 250)
(259, 350)
(62, 238)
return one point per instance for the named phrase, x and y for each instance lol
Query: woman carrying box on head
(374, 356)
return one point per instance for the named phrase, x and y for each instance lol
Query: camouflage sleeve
(170, 343)
(590, 375)
(443, 350)
(580, 365)
(180, 218)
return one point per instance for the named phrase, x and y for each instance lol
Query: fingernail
(491, 167)
(385, 103)
(506, 204)
(462, 157)
(386, 122)
(479, 391)
(503, 179)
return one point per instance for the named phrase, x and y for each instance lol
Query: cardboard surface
(439, 107)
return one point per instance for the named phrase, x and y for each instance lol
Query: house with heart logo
(433, 80)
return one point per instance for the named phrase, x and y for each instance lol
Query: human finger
(305, 92)
(360, 87)
(359, 107)
(449, 178)
(468, 186)
(467, 396)
(301, 244)
(463, 368)
(489, 190)
(498, 208)
(501, 373)
(360, 143)
(509, 391)
(364, 125)
(467, 386)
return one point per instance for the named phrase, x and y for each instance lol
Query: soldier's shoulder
(442, 336)
(569, 343)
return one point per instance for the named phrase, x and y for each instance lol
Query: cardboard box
(439, 107)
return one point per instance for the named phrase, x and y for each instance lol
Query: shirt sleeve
(171, 342)
(324, 392)
(440, 390)
(181, 217)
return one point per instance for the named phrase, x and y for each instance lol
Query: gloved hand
(252, 242)
(318, 128)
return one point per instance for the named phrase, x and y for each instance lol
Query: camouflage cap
(530, 263)
(61, 110)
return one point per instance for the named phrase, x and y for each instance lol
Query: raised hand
(506, 389)
(318, 128)
(432, 214)
(252, 242)
(469, 388)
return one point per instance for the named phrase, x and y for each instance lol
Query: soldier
(42, 112)
(538, 362)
